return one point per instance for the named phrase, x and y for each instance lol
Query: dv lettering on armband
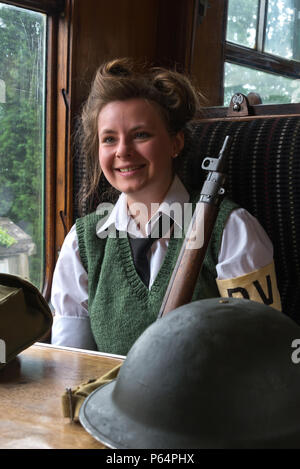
(259, 285)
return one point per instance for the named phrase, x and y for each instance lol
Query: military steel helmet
(215, 373)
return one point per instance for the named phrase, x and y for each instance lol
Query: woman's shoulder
(90, 220)
(86, 218)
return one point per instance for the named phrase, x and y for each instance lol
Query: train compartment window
(262, 52)
(242, 22)
(271, 88)
(22, 136)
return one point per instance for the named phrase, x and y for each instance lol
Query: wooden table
(30, 397)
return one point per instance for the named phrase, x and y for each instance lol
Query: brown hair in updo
(122, 79)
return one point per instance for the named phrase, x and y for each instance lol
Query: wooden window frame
(58, 168)
(50, 7)
(256, 57)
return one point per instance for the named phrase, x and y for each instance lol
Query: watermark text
(296, 353)
(2, 351)
(175, 218)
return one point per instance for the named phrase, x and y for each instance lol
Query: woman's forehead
(135, 111)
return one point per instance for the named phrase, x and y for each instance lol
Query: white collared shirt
(245, 247)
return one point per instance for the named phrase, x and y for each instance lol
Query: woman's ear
(178, 143)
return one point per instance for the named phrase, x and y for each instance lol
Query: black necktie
(140, 247)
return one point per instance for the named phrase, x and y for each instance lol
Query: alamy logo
(2, 351)
(296, 353)
(181, 214)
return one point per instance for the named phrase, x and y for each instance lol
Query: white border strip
(80, 350)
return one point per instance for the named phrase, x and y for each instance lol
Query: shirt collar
(172, 206)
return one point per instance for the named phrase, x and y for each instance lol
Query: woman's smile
(130, 170)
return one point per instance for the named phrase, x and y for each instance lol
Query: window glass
(271, 88)
(282, 33)
(22, 110)
(242, 21)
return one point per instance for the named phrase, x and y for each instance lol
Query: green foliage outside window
(271, 88)
(22, 67)
(242, 22)
(5, 239)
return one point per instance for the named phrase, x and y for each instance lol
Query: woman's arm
(69, 298)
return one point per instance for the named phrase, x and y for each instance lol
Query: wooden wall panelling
(64, 178)
(110, 29)
(208, 57)
(160, 31)
(176, 33)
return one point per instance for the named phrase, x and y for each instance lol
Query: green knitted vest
(121, 307)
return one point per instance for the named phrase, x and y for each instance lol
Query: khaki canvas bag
(25, 316)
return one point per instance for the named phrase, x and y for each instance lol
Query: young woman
(133, 128)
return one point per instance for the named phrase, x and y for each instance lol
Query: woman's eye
(142, 135)
(108, 140)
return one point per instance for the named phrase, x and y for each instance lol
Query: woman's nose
(123, 149)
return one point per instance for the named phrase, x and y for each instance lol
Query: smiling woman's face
(136, 149)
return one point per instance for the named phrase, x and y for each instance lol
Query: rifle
(191, 256)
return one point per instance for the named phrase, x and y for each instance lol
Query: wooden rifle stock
(188, 266)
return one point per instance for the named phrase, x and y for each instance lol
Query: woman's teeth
(125, 170)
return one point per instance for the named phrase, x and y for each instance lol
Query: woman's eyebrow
(139, 126)
(133, 129)
(107, 131)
